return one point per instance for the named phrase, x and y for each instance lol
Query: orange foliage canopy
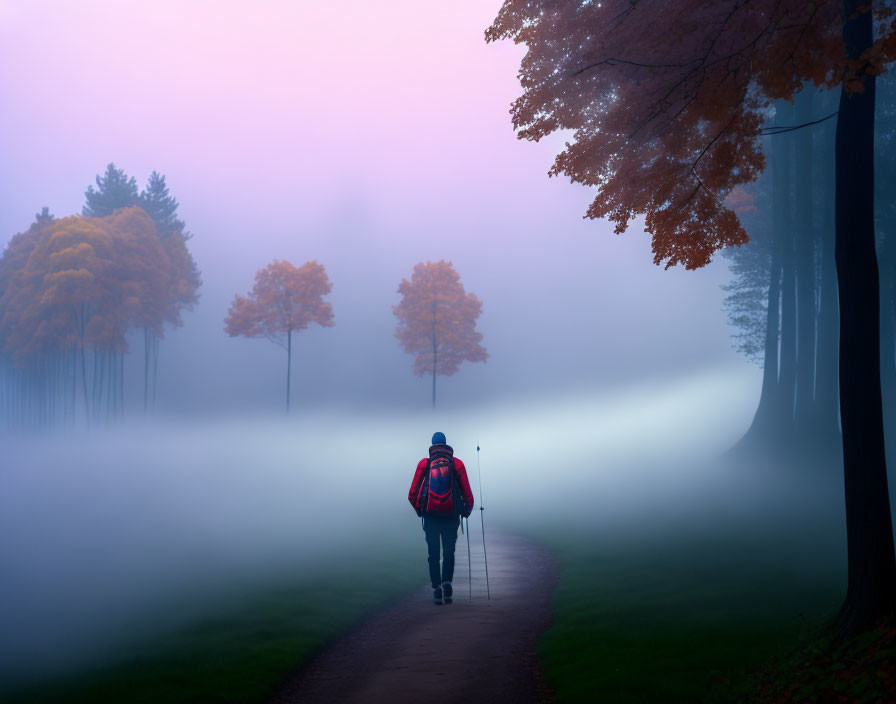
(82, 282)
(666, 99)
(437, 320)
(284, 299)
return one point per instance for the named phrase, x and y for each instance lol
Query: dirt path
(414, 651)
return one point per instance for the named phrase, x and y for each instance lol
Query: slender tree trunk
(805, 265)
(145, 369)
(155, 367)
(871, 590)
(110, 387)
(81, 319)
(93, 387)
(121, 383)
(782, 202)
(99, 385)
(787, 377)
(84, 383)
(288, 366)
(74, 358)
(435, 361)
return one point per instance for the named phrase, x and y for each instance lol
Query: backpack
(440, 493)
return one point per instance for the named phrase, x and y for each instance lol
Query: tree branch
(781, 129)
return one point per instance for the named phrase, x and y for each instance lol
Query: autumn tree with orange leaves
(75, 286)
(665, 103)
(437, 321)
(283, 300)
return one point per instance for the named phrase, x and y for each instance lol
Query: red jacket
(417, 496)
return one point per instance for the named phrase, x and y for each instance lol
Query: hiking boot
(437, 596)
(447, 592)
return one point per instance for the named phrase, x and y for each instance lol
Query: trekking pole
(469, 559)
(482, 523)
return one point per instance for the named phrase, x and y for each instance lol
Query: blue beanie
(438, 439)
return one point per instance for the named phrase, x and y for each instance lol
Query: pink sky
(263, 101)
(368, 134)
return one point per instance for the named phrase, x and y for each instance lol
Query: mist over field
(128, 530)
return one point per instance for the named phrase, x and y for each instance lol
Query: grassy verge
(242, 652)
(687, 620)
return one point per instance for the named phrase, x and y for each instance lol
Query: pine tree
(114, 191)
(161, 205)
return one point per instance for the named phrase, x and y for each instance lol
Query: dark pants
(441, 528)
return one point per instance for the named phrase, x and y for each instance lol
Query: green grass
(241, 652)
(686, 620)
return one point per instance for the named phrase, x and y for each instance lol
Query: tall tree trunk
(805, 265)
(871, 590)
(435, 360)
(288, 366)
(827, 399)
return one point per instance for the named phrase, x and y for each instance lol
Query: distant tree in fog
(665, 104)
(747, 300)
(437, 321)
(283, 300)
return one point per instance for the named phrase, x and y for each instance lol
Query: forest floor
(478, 649)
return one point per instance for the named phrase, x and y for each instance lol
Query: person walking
(440, 493)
